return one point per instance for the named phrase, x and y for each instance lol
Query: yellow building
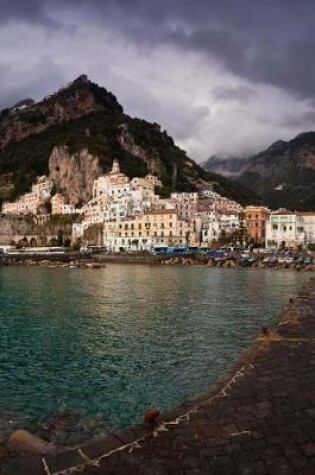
(143, 232)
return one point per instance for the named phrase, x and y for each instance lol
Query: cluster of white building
(132, 216)
(30, 203)
(39, 196)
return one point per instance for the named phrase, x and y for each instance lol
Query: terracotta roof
(307, 213)
(161, 211)
(284, 212)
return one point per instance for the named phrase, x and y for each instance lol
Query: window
(274, 226)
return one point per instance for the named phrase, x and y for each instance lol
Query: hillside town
(131, 216)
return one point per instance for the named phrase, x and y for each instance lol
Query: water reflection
(112, 341)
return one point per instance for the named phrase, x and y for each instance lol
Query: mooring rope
(163, 427)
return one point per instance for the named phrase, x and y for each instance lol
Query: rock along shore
(258, 418)
(100, 260)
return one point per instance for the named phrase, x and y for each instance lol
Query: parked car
(273, 261)
(300, 260)
(308, 260)
(266, 259)
(289, 260)
(281, 259)
(245, 262)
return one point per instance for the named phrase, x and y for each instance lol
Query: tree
(60, 238)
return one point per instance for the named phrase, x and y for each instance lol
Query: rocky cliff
(74, 173)
(78, 99)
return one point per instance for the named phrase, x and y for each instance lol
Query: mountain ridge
(283, 174)
(84, 116)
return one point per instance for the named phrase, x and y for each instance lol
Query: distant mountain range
(74, 135)
(283, 175)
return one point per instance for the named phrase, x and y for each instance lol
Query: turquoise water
(110, 342)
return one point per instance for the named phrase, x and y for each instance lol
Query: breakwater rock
(96, 261)
(53, 261)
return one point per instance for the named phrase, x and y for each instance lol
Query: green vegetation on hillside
(99, 131)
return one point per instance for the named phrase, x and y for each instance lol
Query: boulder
(22, 442)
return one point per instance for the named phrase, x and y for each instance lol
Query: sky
(224, 78)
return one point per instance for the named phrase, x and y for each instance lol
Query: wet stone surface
(260, 419)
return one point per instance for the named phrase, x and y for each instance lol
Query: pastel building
(210, 230)
(309, 225)
(143, 232)
(185, 204)
(255, 221)
(285, 228)
(30, 202)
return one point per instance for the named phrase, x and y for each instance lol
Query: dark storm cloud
(269, 42)
(197, 67)
(18, 10)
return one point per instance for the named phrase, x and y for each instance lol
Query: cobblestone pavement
(258, 419)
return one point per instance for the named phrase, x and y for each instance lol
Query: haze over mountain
(283, 174)
(74, 135)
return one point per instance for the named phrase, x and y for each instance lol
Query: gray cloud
(43, 72)
(200, 68)
(241, 93)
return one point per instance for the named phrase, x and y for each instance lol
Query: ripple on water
(93, 350)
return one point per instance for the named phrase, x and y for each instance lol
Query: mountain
(74, 135)
(24, 103)
(283, 175)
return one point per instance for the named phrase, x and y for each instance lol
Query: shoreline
(131, 440)
(97, 261)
